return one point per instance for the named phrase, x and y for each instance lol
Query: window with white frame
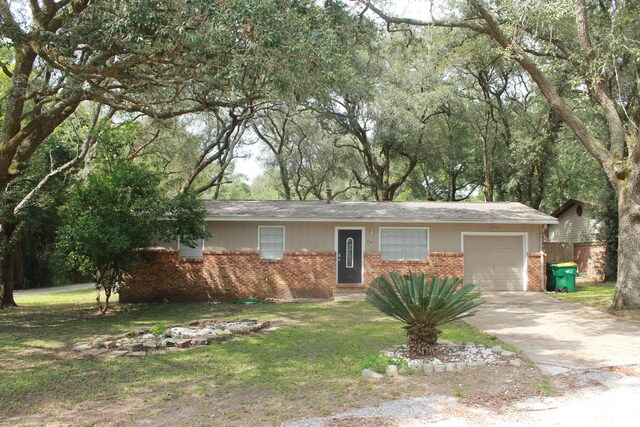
(400, 244)
(187, 252)
(271, 242)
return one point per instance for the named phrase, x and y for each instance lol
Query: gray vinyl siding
(573, 228)
(319, 237)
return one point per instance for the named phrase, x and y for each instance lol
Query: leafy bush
(158, 329)
(118, 209)
(378, 363)
(423, 304)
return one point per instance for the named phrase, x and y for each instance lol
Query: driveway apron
(557, 335)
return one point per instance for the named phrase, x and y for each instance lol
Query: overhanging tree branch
(90, 140)
(491, 28)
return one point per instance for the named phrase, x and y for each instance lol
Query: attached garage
(495, 261)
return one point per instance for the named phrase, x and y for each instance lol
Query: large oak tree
(158, 58)
(597, 42)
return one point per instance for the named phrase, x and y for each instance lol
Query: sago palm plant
(423, 304)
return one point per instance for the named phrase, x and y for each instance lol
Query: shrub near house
(119, 208)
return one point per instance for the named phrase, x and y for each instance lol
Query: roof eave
(383, 220)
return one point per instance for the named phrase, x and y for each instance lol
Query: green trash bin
(565, 276)
(551, 279)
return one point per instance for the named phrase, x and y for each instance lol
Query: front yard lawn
(598, 296)
(304, 368)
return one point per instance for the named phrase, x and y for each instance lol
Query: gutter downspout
(542, 260)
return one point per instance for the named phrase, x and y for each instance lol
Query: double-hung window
(404, 244)
(187, 252)
(271, 242)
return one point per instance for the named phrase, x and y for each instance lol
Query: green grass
(379, 363)
(547, 388)
(458, 392)
(596, 296)
(599, 296)
(304, 368)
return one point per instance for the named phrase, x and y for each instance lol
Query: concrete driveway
(37, 291)
(556, 335)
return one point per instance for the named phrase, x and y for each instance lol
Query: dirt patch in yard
(494, 387)
(497, 387)
(236, 405)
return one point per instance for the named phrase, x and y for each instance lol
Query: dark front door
(349, 256)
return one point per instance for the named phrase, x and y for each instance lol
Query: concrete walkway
(66, 288)
(342, 295)
(556, 335)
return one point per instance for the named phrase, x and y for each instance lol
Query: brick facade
(441, 264)
(230, 275)
(591, 259)
(536, 272)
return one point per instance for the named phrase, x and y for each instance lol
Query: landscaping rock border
(197, 333)
(453, 357)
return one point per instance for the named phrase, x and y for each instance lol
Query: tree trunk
(284, 177)
(422, 341)
(627, 294)
(7, 266)
(7, 280)
(622, 170)
(453, 189)
(488, 172)
(107, 295)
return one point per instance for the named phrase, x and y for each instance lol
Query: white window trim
(362, 244)
(260, 227)
(525, 247)
(411, 228)
(201, 249)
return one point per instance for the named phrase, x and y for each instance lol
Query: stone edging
(503, 358)
(148, 343)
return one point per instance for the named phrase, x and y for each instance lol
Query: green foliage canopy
(159, 58)
(120, 208)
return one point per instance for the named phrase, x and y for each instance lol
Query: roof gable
(568, 205)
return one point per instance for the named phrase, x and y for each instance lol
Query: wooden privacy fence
(558, 252)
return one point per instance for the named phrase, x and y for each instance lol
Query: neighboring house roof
(568, 205)
(576, 223)
(433, 212)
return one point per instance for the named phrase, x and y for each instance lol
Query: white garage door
(494, 263)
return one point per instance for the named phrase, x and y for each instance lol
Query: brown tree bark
(422, 340)
(7, 267)
(7, 281)
(487, 160)
(627, 294)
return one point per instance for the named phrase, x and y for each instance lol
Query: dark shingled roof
(316, 211)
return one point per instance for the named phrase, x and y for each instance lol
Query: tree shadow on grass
(316, 350)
